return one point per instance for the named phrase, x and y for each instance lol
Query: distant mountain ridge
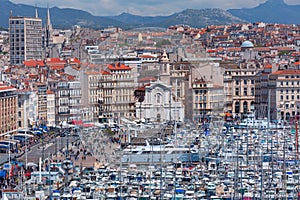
(67, 17)
(60, 17)
(272, 11)
(191, 17)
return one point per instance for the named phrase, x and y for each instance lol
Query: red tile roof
(34, 63)
(268, 66)
(262, 49)
(56, 67)
(212, 50)
(118, 66)
(92, 73)
(147, 79)
(146, 56)
(103, 72)
(234, 49)
(49, 92)
(4, 88)
(34, 76)
(142, 88)
(287, 72)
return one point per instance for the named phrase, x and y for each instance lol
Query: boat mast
(297, 149)
(268, 135)
(175, 123)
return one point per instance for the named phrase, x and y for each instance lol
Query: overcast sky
(144, 7)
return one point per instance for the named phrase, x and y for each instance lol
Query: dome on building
(247, 44)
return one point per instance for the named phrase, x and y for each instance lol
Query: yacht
(154, 153)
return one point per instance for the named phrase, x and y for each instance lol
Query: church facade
(160, 104)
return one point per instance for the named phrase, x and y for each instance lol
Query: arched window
(158, 117)
(252, 106)
(158, 98)
(287, 116)
(237, 107)
(245, 107)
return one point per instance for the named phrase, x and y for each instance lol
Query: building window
(237, 91)
(287, 97)
(252, 91)
(158, 98)
(245, 91)
(281, 97)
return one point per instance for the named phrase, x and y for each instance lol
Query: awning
(77, 122)
(180, 191)
(2, 173)
(38, 132)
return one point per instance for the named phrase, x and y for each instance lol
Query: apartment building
(239, 87)
(41, 89)
(105, 92)
(23, 108)
(262, 91)
(180, 77)
(25, 39)
(284, 88)
(208, 100)
(8, 110)
(67, 99)
(90, 97)
(50, 108)
(116, 90)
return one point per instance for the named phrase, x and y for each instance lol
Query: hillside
(60, 18)
(272, 11)
(191, 17)
(65, 18)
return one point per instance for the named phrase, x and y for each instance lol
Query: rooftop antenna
(36, 12)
